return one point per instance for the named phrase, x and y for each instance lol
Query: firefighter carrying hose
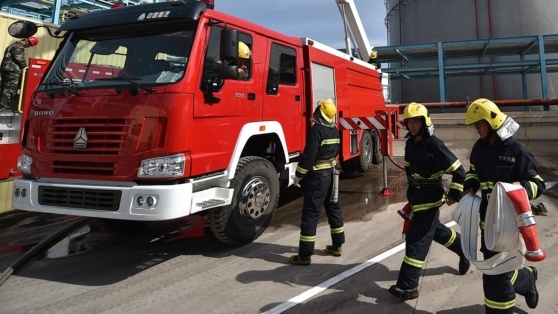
(317, 167)
(427, 159)
(497, 157)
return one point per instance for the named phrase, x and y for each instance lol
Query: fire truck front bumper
(126, 201)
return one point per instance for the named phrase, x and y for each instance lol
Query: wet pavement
(177, 266)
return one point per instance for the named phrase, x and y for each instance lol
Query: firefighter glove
(296, 181)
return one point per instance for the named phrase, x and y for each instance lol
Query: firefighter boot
(541, 209)
(300, 260)
(532, 296)
(464, 263)
(334, 250)
(404, 294)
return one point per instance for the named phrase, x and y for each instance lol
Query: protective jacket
(506, 161)
(322, 147)
(426, 161)
(14, 58)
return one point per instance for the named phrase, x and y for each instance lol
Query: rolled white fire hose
(501, 231)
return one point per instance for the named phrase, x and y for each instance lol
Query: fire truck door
(283, 93)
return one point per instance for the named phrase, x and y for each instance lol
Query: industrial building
(437, 51)
(452, 50)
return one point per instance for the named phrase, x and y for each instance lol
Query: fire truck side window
(211, 80)
(282, 68)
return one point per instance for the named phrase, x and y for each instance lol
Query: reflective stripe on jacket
(322, 144)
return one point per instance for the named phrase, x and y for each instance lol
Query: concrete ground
(172, 267)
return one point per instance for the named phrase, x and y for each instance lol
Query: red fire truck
(142, 116)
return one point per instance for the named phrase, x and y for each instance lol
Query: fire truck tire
(377, 157)
(363, 163)
(256, 186)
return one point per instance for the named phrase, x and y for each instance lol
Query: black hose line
(57, 236)
(395, 163)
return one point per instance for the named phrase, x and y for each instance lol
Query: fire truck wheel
(256, 188)
(377, 157)
(363, 163)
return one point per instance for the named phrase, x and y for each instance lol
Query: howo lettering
(151, 120)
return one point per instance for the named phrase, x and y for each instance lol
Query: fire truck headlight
(24, 163)
(169, 166)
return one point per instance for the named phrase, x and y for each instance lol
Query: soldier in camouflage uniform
(11, 68)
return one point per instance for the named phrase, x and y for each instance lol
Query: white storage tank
(412, 22)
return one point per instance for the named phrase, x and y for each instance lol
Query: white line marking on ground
(334, 280)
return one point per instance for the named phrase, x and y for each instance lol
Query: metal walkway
(497, 56)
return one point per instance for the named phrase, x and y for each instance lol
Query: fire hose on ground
(40, 247)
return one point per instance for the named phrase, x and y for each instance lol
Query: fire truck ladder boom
(354, 31)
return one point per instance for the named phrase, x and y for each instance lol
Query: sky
(319, 20)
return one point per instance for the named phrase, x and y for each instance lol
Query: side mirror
(229, 44)
(22, 29)
(229, 71)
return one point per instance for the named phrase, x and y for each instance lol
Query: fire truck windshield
(130, 56)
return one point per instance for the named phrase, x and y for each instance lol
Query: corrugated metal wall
(6, 195)
(429, 21)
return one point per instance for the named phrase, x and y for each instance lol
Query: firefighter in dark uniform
(497, 157)
(427, 159)
(373, 59)
(317, 167)
(11, 69)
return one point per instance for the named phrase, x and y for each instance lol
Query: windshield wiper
(67, 84)
(68, 87)
(130, 80)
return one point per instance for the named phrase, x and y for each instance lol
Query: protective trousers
(317, 187)
(10, 85)
(500, 290)
(424, 228)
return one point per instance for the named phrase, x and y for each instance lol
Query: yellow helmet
(414, 110)
(484, 109)
(328, 109)
(243, 50)
(373, 54)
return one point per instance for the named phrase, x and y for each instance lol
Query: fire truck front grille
(90, 136)
(77, 167)
(80, 198)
